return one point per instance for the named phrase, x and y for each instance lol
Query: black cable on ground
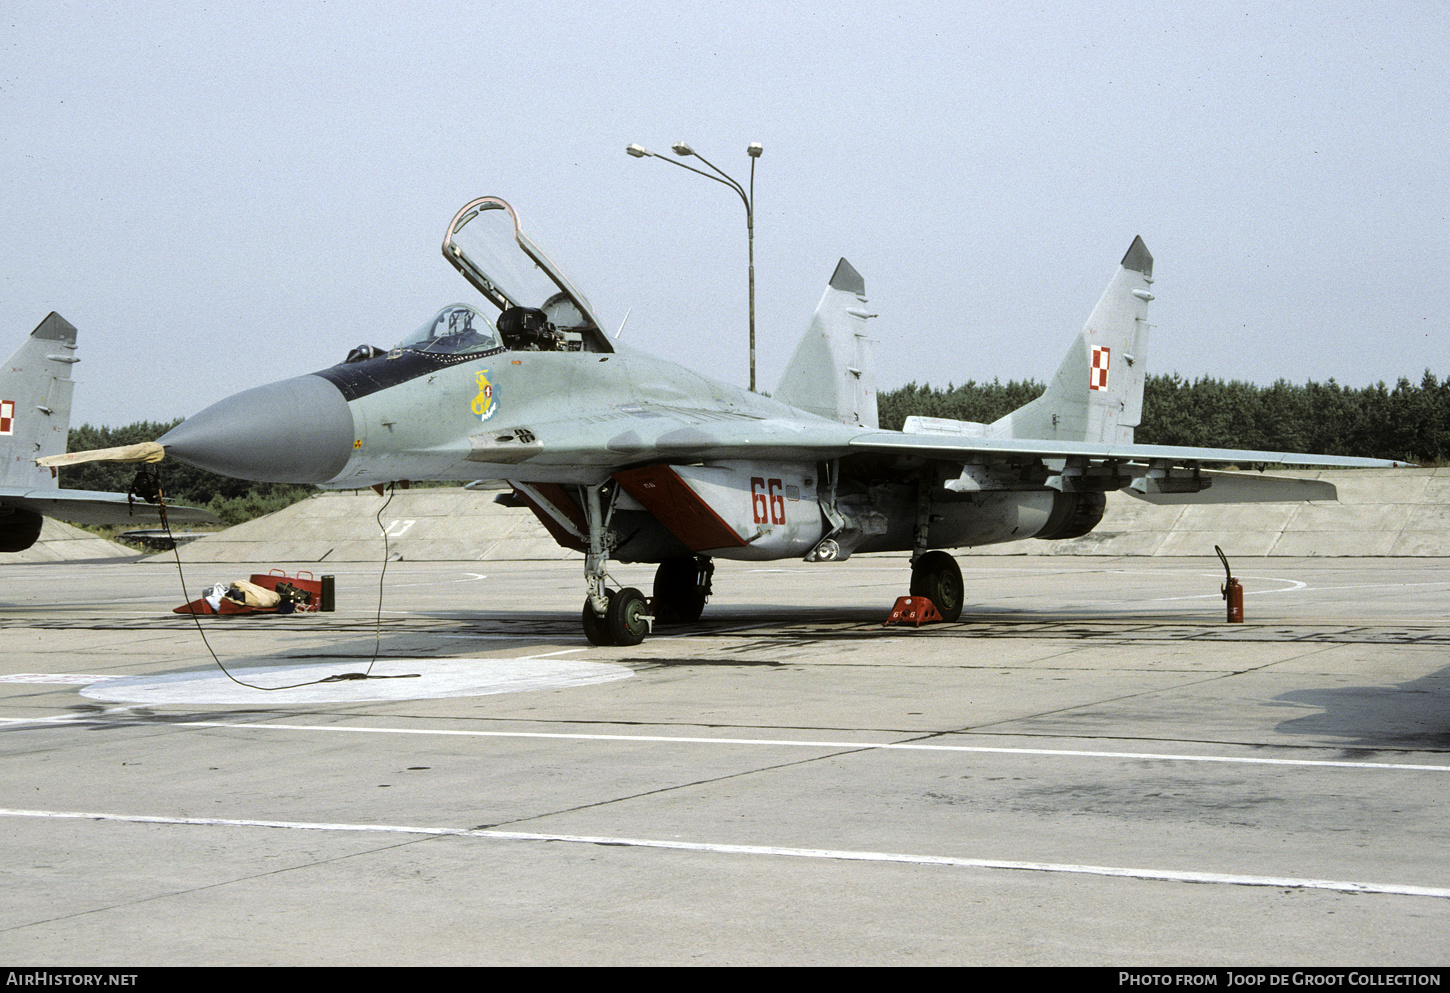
(148, 484)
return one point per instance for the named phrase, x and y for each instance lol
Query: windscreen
(457, 329)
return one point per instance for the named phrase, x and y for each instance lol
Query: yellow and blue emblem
(485, 405)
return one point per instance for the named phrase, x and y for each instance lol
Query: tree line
(1406, 422)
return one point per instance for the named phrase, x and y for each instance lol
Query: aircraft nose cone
(295, 431)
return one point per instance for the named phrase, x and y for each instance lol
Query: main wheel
(678, 594)
(596, 628)
(936, 577)
(626, 620)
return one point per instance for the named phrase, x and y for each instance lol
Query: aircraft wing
(1160, 474)
(661, 433)
(964, 448)
(97, 507)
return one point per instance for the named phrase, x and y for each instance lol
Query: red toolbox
(319, 589)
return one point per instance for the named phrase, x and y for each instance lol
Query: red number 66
(772, 512)
(757, 499)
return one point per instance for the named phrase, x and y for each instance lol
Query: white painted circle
(436, 678)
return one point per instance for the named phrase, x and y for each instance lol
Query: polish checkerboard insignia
(7, 417)
(1098, 375)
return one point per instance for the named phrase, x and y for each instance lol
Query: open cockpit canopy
(538, 307)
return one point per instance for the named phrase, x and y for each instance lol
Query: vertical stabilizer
(1097, 394)
(832, 373)
(35, 394)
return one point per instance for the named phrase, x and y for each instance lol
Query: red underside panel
(678, 508)
(560, 498)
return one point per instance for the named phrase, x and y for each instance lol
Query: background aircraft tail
(35, 397)
(832, 373)
(1097, 394)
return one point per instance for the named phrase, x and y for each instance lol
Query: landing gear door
(512, 270)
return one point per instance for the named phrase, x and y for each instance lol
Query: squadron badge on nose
(485, 405)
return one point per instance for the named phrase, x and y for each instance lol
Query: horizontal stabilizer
(99, 507)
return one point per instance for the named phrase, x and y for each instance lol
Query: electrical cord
(148, 486)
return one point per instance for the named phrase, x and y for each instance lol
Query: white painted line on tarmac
(1293, 587)
(806, 743)
(1163, 875)
(468, 577)
(1378, 586)
(56, 678)
(90, 718)
(910, 746)
(1298, 586)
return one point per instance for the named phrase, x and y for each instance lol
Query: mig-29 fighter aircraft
(630, 457)
(35, 397)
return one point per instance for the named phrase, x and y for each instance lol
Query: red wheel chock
(916, 610)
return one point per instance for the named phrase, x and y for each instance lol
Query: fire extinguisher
(1232, 590)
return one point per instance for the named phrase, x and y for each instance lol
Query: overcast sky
(222, 196)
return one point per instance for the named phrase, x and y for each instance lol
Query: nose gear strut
(610, 617)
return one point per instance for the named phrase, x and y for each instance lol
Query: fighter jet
(631, 458)
(35, 396)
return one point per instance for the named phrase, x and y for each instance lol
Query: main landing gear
(681, 588)
(935, 575)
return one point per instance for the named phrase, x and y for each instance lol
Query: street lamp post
(754, 150)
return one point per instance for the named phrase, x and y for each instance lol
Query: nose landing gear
(610, 617)
(625, 622)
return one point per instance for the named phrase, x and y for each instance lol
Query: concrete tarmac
(1091, 768)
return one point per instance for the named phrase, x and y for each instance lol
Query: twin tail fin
(1097, 394)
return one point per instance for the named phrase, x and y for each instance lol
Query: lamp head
(754, 150)
(638, 151)
(682, 149)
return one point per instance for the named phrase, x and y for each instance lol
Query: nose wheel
(625, 622)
